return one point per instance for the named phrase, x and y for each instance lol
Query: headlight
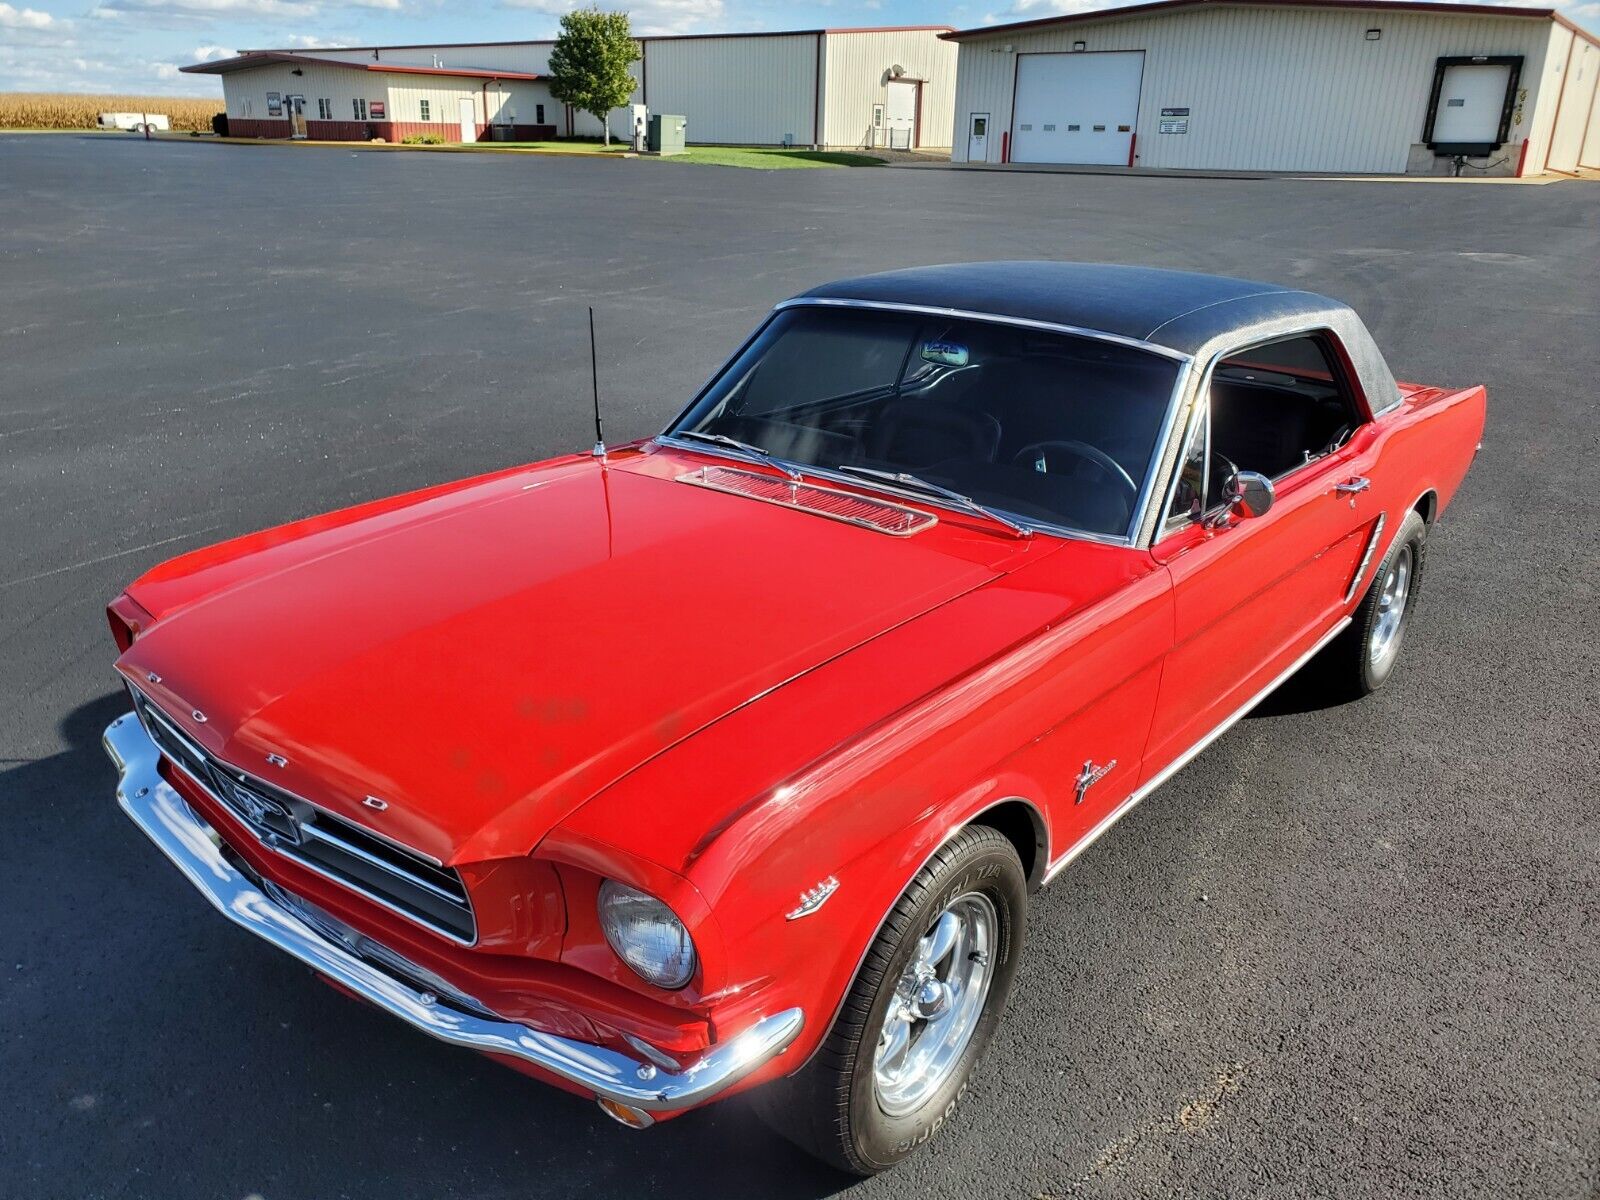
(646, 935)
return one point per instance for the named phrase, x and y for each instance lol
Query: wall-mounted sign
(376, 109)
(1173, 120)
(274, 104)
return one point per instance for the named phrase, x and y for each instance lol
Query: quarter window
(360, 108)
(425, 115)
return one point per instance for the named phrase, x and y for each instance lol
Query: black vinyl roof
(1178, 310)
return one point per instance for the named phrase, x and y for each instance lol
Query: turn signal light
(633, 1118)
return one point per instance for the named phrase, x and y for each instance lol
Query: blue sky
(137, 46)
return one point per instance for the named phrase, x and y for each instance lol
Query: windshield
(1049, 427)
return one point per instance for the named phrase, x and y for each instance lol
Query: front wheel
(918, 1016)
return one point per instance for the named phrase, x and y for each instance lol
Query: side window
(1276, 407)
(426, 110)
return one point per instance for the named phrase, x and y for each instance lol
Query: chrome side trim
(1366, 558)
(164, 817)
(1189, 755)
(1163, 455)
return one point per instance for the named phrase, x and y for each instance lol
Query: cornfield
(46, 110)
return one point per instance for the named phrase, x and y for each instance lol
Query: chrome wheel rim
(1392, 598)
(937, 1003)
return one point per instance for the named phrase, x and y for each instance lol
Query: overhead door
(1470, 102)
(902, 115)
(1076, 108)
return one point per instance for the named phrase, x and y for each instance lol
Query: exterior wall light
(1080, 45)
(1374, 34)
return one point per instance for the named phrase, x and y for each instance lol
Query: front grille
(400, 879)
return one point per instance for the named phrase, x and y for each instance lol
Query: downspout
(816, 95)
(486, 83)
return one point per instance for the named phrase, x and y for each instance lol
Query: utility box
(667, 134)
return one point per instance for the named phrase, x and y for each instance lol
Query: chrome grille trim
(457, 896)
(423, 890)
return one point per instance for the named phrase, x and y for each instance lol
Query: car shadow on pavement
(170, 1054)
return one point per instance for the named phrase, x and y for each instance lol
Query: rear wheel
(918, 1016)
(1364, 656)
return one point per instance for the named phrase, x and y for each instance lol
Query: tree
(589, 63)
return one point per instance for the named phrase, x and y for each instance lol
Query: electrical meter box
(667, 133)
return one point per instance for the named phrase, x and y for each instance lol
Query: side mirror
(1249, 493)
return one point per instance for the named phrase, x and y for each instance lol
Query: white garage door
(1076, 108)
(1471, 99)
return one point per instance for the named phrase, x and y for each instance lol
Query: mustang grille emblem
(264, 814)
(814, 898)
(1091, 775)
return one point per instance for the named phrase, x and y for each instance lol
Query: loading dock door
(1076, 108)
(1470, 101)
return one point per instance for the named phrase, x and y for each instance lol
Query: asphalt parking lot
(1349, 951)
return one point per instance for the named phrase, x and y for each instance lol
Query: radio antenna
(594, 379)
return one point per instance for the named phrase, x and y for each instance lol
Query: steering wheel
(1037, 455)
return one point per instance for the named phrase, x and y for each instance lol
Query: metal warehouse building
(834, 88)
(1289, 85)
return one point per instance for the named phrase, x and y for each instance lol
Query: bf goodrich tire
(1363, 657)
(923, 1006)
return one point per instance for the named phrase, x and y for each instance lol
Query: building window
(538, 114)
(360, 107)
(424, 105)
(324, 110)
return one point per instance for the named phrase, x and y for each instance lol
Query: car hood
(483, 660)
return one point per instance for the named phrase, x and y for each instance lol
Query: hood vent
(849, 507)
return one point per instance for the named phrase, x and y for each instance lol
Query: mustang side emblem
(814, 898)
(1091, 775)
(374, 802)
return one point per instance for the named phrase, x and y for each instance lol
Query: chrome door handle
(1351, 487)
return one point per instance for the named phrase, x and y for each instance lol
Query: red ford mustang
(730, 758)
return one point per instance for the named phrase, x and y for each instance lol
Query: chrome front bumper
(636, 1084)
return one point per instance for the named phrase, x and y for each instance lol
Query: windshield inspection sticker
(946, 353)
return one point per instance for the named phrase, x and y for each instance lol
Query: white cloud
(211, 53)
(24, 18)
(308, 41)
(678, 16)
(650, 17)
(205, 10)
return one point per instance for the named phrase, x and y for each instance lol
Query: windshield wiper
(760, 453)
(916, 482)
